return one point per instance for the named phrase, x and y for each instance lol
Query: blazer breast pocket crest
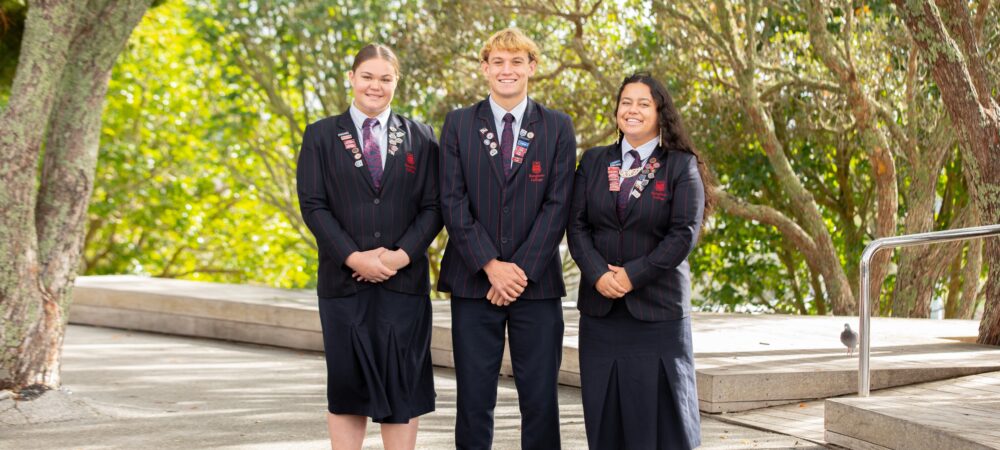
(660, 190)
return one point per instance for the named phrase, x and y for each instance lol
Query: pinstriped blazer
(520, 219)
(652, 244)
(346, 214)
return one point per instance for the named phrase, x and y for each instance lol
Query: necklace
(630, 172)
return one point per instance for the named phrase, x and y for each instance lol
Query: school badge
(536, 175)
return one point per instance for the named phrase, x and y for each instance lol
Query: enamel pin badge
(396, 136)
(648, 173)
(489, 140)
(523, 142)
(614, 179)
(352, 147)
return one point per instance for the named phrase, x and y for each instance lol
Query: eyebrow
(514, 58)
(374, 75)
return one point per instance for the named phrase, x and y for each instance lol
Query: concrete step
(962, 413)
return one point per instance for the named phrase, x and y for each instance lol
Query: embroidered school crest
(660, 190)
(536, 175)
(411, 163)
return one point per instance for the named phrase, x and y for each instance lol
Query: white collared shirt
(499, 112)
(645, 151)
(378, 131)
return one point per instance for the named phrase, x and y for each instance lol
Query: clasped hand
(614, 283)
(507, 282)
(377, 265)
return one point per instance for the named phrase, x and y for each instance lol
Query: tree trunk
(914, 283)
(967, 95)
(787, 258)
(952, 302)
(817, 287)
(970, 279)
(823, 251)
(873, 139)
(61, 81)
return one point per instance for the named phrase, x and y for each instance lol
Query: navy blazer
(521, 219)
(652, 244)
(346, 214)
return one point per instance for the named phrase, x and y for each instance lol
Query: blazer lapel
(347, 134)
(613, 155)
(398, 141)
(524, 138)
(489, 141)
(632, 200)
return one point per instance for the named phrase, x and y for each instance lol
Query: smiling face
(637, 116)
(373, 84)
(508, 74)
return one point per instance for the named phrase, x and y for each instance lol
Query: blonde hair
(511, 40)
(372, 51)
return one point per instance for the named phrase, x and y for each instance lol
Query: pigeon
(849, 338)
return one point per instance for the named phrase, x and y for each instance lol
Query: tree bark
(970, 279)
(66, 59)
(951, 302)
(976, 116)
(874, 137)
(915, 278)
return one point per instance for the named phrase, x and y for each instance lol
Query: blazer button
(503, 240)
(378, 235)
(377, 201)
(506, 210)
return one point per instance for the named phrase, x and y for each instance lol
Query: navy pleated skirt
(378, 360)
(638, 382)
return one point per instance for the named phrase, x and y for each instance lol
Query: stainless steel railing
(909, 240)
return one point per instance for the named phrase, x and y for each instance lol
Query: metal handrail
(909, 240)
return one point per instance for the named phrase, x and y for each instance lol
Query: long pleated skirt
(638, 382)
(378, 360)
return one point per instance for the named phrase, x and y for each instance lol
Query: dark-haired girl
(637, 209)
(367, 185)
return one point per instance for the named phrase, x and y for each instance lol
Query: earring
(661, 137)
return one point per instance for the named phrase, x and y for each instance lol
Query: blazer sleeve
(550, 223)
(314, 204)
(469, 236)
(579, 231)
(427, 223)
(685, 220)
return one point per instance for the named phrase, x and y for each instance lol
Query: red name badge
(411, 163)
(536, 175)
(660, 190)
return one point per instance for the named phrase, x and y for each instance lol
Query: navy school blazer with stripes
(345, 213)
(521, 219)
(652, 244)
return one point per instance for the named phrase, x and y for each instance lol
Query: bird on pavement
(849, 338)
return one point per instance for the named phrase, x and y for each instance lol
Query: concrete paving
(743, 361)
(128, 389)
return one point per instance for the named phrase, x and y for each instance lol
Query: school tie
(507, 143)
(626, 186)
(373, 156)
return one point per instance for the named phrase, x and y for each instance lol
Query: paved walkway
(125, 389)
(744, 361)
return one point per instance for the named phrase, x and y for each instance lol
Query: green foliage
(12, 16)
(165, 202)
(207, 107)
